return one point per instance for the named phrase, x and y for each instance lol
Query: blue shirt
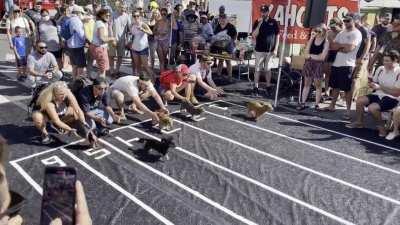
(78, 33)
(20, 45)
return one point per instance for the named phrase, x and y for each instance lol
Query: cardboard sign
(294, 14)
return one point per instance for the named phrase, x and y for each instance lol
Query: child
(19, 46)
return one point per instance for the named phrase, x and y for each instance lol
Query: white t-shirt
(387, 78)
(18, 22)
(140, 40)
(129, 85)
(96, 35)
(195, 69)
(348, 37)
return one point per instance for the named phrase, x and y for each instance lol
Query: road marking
(218, 107)
(3, 99)
(125, 142)
(255, 182)
(322, 128)
(182, 186)
(28, 178)
(118, 188)
(383, 197)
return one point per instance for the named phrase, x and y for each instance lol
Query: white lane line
(3, 99)
(394, 201)
(323, 128)
(28, 178)
(309, 144)
(72, 143)
(123, 141)
(241, 176)
(218, 107)
(177, 183)
(118, 188)
(132, 140)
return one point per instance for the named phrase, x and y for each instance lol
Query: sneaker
(46, 139)
(21, 79)
(104, 132)
(194, 100)
(391, 136)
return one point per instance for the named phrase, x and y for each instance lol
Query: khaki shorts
(262, 61)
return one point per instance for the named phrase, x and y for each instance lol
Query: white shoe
(391, 136)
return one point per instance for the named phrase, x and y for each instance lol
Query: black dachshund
(162, 146)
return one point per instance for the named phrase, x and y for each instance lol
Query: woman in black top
(316, 52)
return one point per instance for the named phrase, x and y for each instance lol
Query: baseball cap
(153, 5)
(264, 8)
(183, 69)
(38, 2)
(222, 7)
(144, 76)
(77, 9)
(16, 8)
(353, 16)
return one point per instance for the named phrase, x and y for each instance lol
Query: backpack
(65, 31)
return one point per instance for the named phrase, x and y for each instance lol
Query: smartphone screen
(59, 195)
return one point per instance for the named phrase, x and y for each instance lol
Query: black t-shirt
(231, 30)
(266, 39)
(88, 102)
(365, 35)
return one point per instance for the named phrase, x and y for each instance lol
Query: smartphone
(58, 195)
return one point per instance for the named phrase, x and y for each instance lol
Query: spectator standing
(88, 26)
(190, 8)
(19, 43)
(191, 28)
(42, 66)
(360, 74)
(120, 24)
(34, 14)
(17, 20)
(76, 43)
(390, 41)
(48, 33)
(177, 31)
(347, 44)
(316, 51)
(140, 44)
(230, 29)
(8, 7)
(155, 16)
(162, 33)
(382, 28)
(386, 86)
(206, 28)
(266, 36)
(335, 27)
(221, 11)
(101, 38)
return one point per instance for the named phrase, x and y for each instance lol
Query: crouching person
(42, 66)
(57, 104)
(173, 82)
(95, 104)
(135, 89)
(204, 83)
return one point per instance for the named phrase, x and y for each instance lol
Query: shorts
(21, 62)
(313, 69)
(385, 103)
(144, 52)
(77, 57)
(57, 54)
(163, 44)
(100, 54)
(341, 78)
(262, 61)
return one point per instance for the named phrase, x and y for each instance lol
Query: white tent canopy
(380, 3)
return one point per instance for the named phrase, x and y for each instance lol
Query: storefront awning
(379, 4)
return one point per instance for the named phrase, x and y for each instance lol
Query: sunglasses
(346, 21)
(42, 47)
(136, 16)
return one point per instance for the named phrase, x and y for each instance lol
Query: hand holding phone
(59, 195)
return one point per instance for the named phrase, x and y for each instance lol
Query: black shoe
(46, 139)
(21, 78)
(104, 132)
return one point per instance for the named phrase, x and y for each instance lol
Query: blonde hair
(47, 95)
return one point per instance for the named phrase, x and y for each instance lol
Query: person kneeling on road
(57, 104)
(135, 89)
(173, 82)
(42, 66)
(206, 86)
(95, 105)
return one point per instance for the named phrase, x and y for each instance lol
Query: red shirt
(170, 77)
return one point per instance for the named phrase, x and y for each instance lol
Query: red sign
(297, 34)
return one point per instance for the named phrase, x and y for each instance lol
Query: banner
(293, 15)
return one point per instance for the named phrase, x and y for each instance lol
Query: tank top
(140, 41)
(62, 108)
(317, 49)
